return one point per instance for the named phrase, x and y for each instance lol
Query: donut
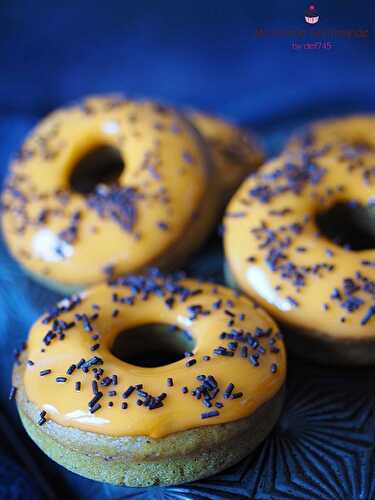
(321, 290)
(108, 186)
(128, 417)
(234, 151)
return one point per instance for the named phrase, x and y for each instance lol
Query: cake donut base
(143, 461)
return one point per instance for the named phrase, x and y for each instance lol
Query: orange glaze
(164, 163)
(180, 411)
(336, 178)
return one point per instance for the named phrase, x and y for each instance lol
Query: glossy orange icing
(164, 164)
(179, 412)
(272, 240)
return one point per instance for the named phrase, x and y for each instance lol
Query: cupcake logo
(311, 15)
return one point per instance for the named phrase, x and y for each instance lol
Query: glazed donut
(69, 218)
(234, 151)
(116, 421)
(322, 292)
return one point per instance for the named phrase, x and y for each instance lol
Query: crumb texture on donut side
(210, 449)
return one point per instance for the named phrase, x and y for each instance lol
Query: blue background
(197, 53)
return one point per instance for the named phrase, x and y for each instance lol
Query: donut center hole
(348, 225)
(102, 165)
(152, 345)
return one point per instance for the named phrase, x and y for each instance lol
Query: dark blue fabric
(201, 53)
(196, 53)
(15, 484)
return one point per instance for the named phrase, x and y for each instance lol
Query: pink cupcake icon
(311, 14)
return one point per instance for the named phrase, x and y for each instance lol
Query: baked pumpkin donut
(123, 421)
(108, 186)
(279, 252)
(234, 151)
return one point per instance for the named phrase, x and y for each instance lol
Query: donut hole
(348, 225)
(152, 345)
(102, 165)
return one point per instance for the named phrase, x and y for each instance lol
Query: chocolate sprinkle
(210, 414)
(12, 393)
